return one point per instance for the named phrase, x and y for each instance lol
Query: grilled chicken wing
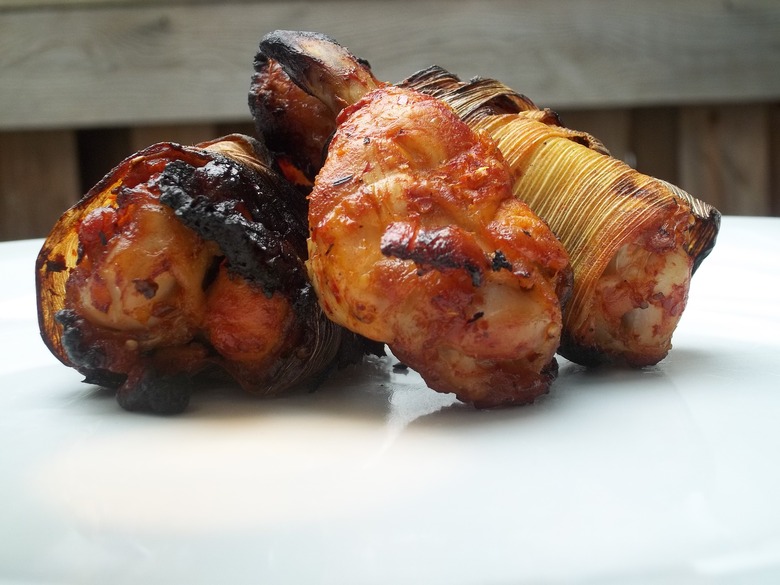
(416, 241)
(182, 259)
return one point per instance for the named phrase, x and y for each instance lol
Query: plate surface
(664, 475)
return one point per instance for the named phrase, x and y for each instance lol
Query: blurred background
(685, 90)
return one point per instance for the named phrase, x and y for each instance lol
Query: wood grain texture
(654, 142)
(646, 138)
(144, 136)
(774, 158)
(725, 157)
(38, 181)
(611, 127)
(104, 63)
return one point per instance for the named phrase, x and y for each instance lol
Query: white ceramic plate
(665, 475)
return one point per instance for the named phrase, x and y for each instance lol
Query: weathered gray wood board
(94, 63)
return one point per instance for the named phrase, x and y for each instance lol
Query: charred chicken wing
(183, 259)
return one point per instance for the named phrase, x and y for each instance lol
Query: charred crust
(56, 264)
(704, 239)
(429, 249)
(103, 378)
(212, 272)
(476, 317)
(342, 180)
(475, 273)
(581, 354)
(156, 394)
(251, 217)
(86, 357)
(500, 262)
(286, 48)
(77, 351)
(146, 287)
(151, 392)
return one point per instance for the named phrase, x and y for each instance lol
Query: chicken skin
(417, 241)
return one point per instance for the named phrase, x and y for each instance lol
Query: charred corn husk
(634, 241)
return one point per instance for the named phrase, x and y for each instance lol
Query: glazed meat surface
(417, 241)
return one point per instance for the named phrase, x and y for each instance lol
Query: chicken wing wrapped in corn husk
(181, 260)
(416, 239)
(634, 241)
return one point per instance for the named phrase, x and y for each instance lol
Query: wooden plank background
(686, 90)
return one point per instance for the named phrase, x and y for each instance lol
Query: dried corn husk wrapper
(634, 240)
